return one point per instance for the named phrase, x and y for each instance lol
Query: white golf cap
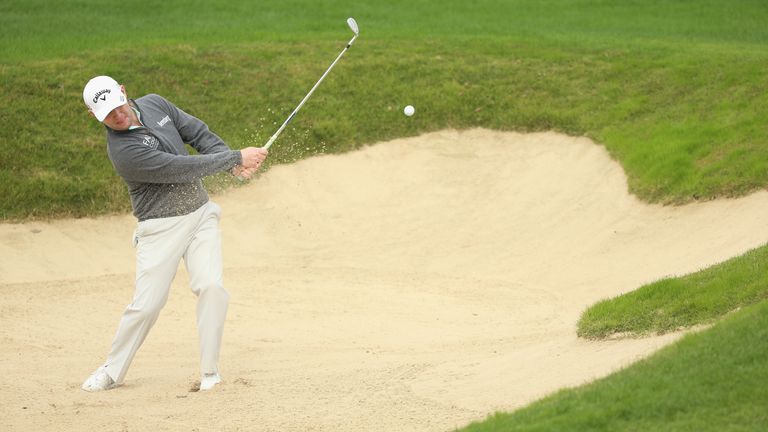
(102, 94)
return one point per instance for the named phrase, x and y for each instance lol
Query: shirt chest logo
(150, 141)
(165, 120)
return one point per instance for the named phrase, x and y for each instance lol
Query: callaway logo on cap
(102, 94)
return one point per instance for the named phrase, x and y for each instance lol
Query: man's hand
(243, 173)
(253, 157)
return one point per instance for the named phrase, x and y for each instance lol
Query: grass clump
(674, 303)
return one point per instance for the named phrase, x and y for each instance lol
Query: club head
(353, 25)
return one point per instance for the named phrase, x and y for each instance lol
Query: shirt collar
(138, 115)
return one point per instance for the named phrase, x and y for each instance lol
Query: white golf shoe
(209, 380)
(99, 381)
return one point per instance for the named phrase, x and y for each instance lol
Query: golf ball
(409, 110)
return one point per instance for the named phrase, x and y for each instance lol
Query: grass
(675, 90)
(675, 303)
(679, 98)
(38, 29)
(710, 381)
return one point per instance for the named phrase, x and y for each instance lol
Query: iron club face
(353, 25)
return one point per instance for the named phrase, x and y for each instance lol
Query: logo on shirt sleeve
(165, 120)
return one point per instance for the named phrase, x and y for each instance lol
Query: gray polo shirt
(162, 178)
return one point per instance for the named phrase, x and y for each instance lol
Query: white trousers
(160, 245)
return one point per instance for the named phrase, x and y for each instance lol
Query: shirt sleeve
(138, 163)
(194, 131)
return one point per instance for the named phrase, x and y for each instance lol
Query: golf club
(352, 25)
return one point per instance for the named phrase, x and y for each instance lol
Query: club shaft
(290, 117)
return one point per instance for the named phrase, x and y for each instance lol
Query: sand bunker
(414, 285)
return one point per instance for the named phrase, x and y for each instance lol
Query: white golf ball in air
(409, 110)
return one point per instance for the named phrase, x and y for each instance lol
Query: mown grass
(39, 29)
(710, 381)
(675, 303)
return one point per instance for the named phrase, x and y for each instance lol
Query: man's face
(120, 118)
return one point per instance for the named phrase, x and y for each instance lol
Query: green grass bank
(710, 381)
(676, 94)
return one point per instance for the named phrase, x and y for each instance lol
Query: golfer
(145, 142)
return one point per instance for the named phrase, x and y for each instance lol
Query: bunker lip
(416, 284)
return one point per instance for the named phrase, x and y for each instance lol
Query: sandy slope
(414, 285)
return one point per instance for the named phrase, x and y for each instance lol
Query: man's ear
(122, 89)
